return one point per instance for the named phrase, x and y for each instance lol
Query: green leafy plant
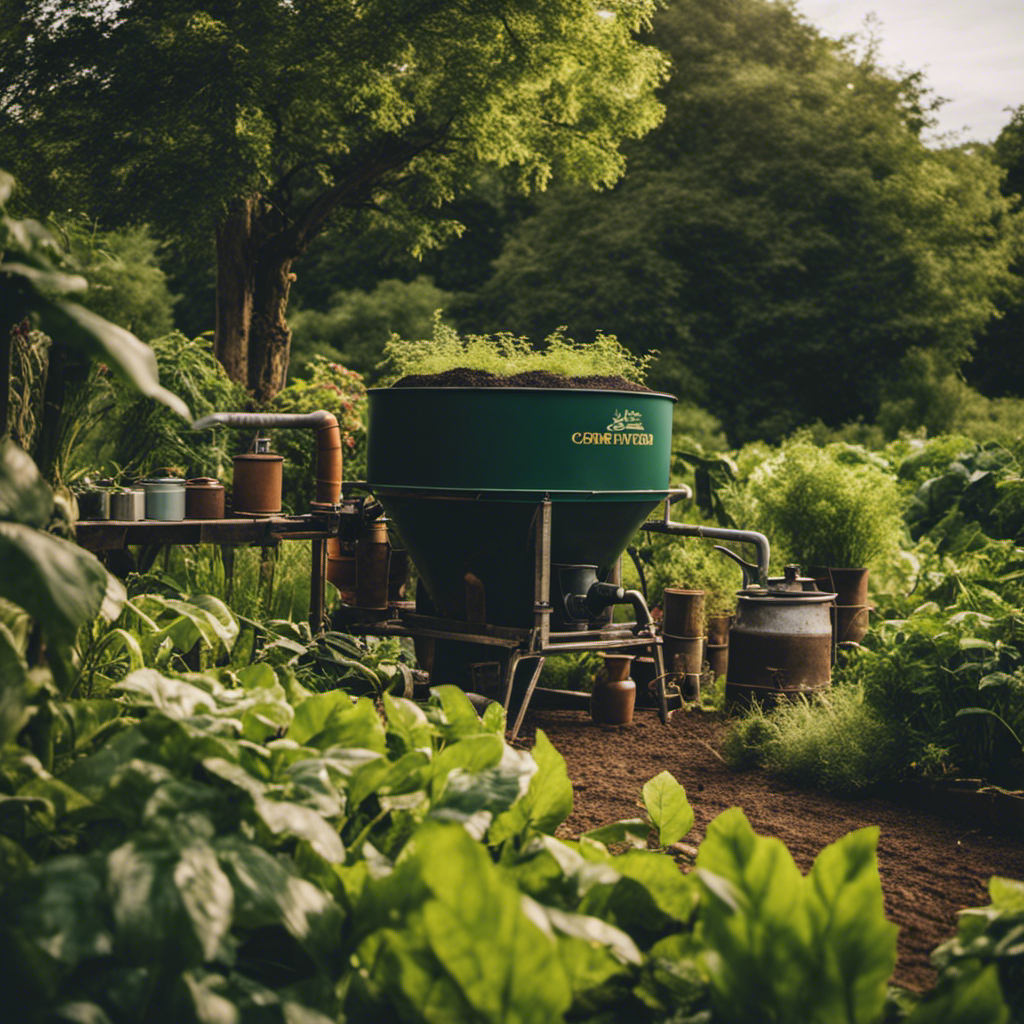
(325, 384)
(506, 355)
(831, 506)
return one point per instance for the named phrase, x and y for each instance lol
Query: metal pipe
(328, 441)
(759, 540)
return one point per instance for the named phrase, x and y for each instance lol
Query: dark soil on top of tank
(931, 864)
(460, 377)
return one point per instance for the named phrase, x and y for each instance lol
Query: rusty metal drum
(780, 645)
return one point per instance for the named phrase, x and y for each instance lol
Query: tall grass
(265, 583)
(833, 741)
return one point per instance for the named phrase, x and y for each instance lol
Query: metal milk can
(780, 644)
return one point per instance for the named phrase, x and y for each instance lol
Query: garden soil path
(931, 865)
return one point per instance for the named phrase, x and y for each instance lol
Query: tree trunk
(235, 250)
(254, 278)
(269, 335)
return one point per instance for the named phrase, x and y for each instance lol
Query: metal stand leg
(317, 578)
(659, 668)
(526, 696)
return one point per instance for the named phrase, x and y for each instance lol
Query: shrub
(819, 506)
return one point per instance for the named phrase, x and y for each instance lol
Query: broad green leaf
(630, 830)
(61, 797)
(472, 754)
(221, 618)
(61, 585)
(25, 497)
(61, 909)
(311, 715)
(459, 714)
(267, 891)
(855, 942)
(670, 811)
(283, 817)
(407, 721)
(83, 330)
(172, 905)
(974, 997)
(594, 931)
(548, 801)
(409, 773)
(506, 967)
(472, 798)
(753, 923)
(1007, 894)
(173, 697)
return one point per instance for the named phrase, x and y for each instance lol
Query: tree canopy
(261, 121)
(784, 236)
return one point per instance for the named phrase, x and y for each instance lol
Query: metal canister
(780, 644)
(93, 503)
(259, 476)
(204, 498)
(372, 556)
(128, 505)
(165, 498)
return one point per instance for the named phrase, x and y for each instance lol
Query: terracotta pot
(682, 612)
(612, 702)
(616, 667)
(851, 623)
(850, 585)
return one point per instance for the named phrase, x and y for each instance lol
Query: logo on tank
(626, 428)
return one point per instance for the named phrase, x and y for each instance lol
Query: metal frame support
(542, 573)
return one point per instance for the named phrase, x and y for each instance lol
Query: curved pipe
(328, 441)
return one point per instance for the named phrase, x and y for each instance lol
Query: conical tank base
(476, 556)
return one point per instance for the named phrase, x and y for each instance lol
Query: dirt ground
(931, 865)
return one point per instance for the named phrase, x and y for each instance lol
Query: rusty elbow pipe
(328, 442)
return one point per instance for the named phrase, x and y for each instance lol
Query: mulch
(931, 864)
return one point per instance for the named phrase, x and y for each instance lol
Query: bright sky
(972, 52)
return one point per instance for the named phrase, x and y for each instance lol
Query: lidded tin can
(204, 498)
(128, 505)
(165, 497)
(258, 480)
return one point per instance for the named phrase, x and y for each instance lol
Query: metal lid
(167, 481)
(210, 482)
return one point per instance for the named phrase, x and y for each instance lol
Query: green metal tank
(460, 472)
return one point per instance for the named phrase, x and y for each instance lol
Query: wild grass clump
(834, 742)
(505, 355)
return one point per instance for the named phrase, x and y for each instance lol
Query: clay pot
(850, 585)
(851, 623)
(612, 703)
(682, 612)
(616, 667)
(614, 695)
